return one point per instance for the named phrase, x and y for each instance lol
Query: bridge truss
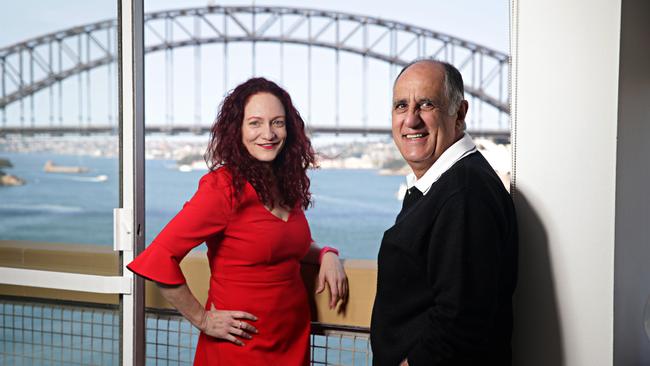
(41, 66)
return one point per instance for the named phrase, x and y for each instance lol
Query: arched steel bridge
(43, 62)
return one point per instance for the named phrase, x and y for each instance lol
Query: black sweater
(446, 273)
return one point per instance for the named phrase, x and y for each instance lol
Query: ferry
(50, 167)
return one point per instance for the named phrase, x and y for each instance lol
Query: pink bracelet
(326, 250)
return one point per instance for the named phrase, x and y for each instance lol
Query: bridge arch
(392, 42)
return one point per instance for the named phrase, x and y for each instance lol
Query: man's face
(422, 127)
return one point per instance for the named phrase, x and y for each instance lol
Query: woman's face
(264, 129)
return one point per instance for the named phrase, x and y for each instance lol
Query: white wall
(632, 269)
(565, 115)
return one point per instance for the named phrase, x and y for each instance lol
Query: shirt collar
(449, 157)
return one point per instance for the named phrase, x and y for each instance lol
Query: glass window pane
(344, 97)
(59, 175)
(59, 162)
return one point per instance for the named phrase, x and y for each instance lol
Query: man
(447, 268)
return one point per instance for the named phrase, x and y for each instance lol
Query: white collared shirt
(449, 157)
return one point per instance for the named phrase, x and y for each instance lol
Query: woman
(249, 211)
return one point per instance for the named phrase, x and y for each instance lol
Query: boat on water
(50, 167)
(401, 192)
(194, 165)
(97, 179)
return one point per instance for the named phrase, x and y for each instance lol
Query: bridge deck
(199, 130)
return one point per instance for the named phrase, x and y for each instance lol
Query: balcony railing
(58, 327)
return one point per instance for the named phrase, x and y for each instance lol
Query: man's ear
(462, 112)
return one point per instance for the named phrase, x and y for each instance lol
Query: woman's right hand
(228, 325)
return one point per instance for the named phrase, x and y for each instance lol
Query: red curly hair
(287, 173)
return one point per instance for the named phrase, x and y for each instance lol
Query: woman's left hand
(331, 271)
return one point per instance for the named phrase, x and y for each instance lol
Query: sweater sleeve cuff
(156, 263)
(419, 355)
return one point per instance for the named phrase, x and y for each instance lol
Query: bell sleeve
(203, 216)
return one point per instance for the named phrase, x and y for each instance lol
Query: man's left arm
(464, 263)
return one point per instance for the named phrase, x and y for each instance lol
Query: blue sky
(483, 22)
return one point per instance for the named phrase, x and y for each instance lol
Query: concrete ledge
(102, 260)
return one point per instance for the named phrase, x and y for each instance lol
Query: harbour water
(352, 208)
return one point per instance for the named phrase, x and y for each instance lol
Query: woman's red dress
(254, 261)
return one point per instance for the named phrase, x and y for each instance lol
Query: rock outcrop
(4, 163)
(10, 180)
